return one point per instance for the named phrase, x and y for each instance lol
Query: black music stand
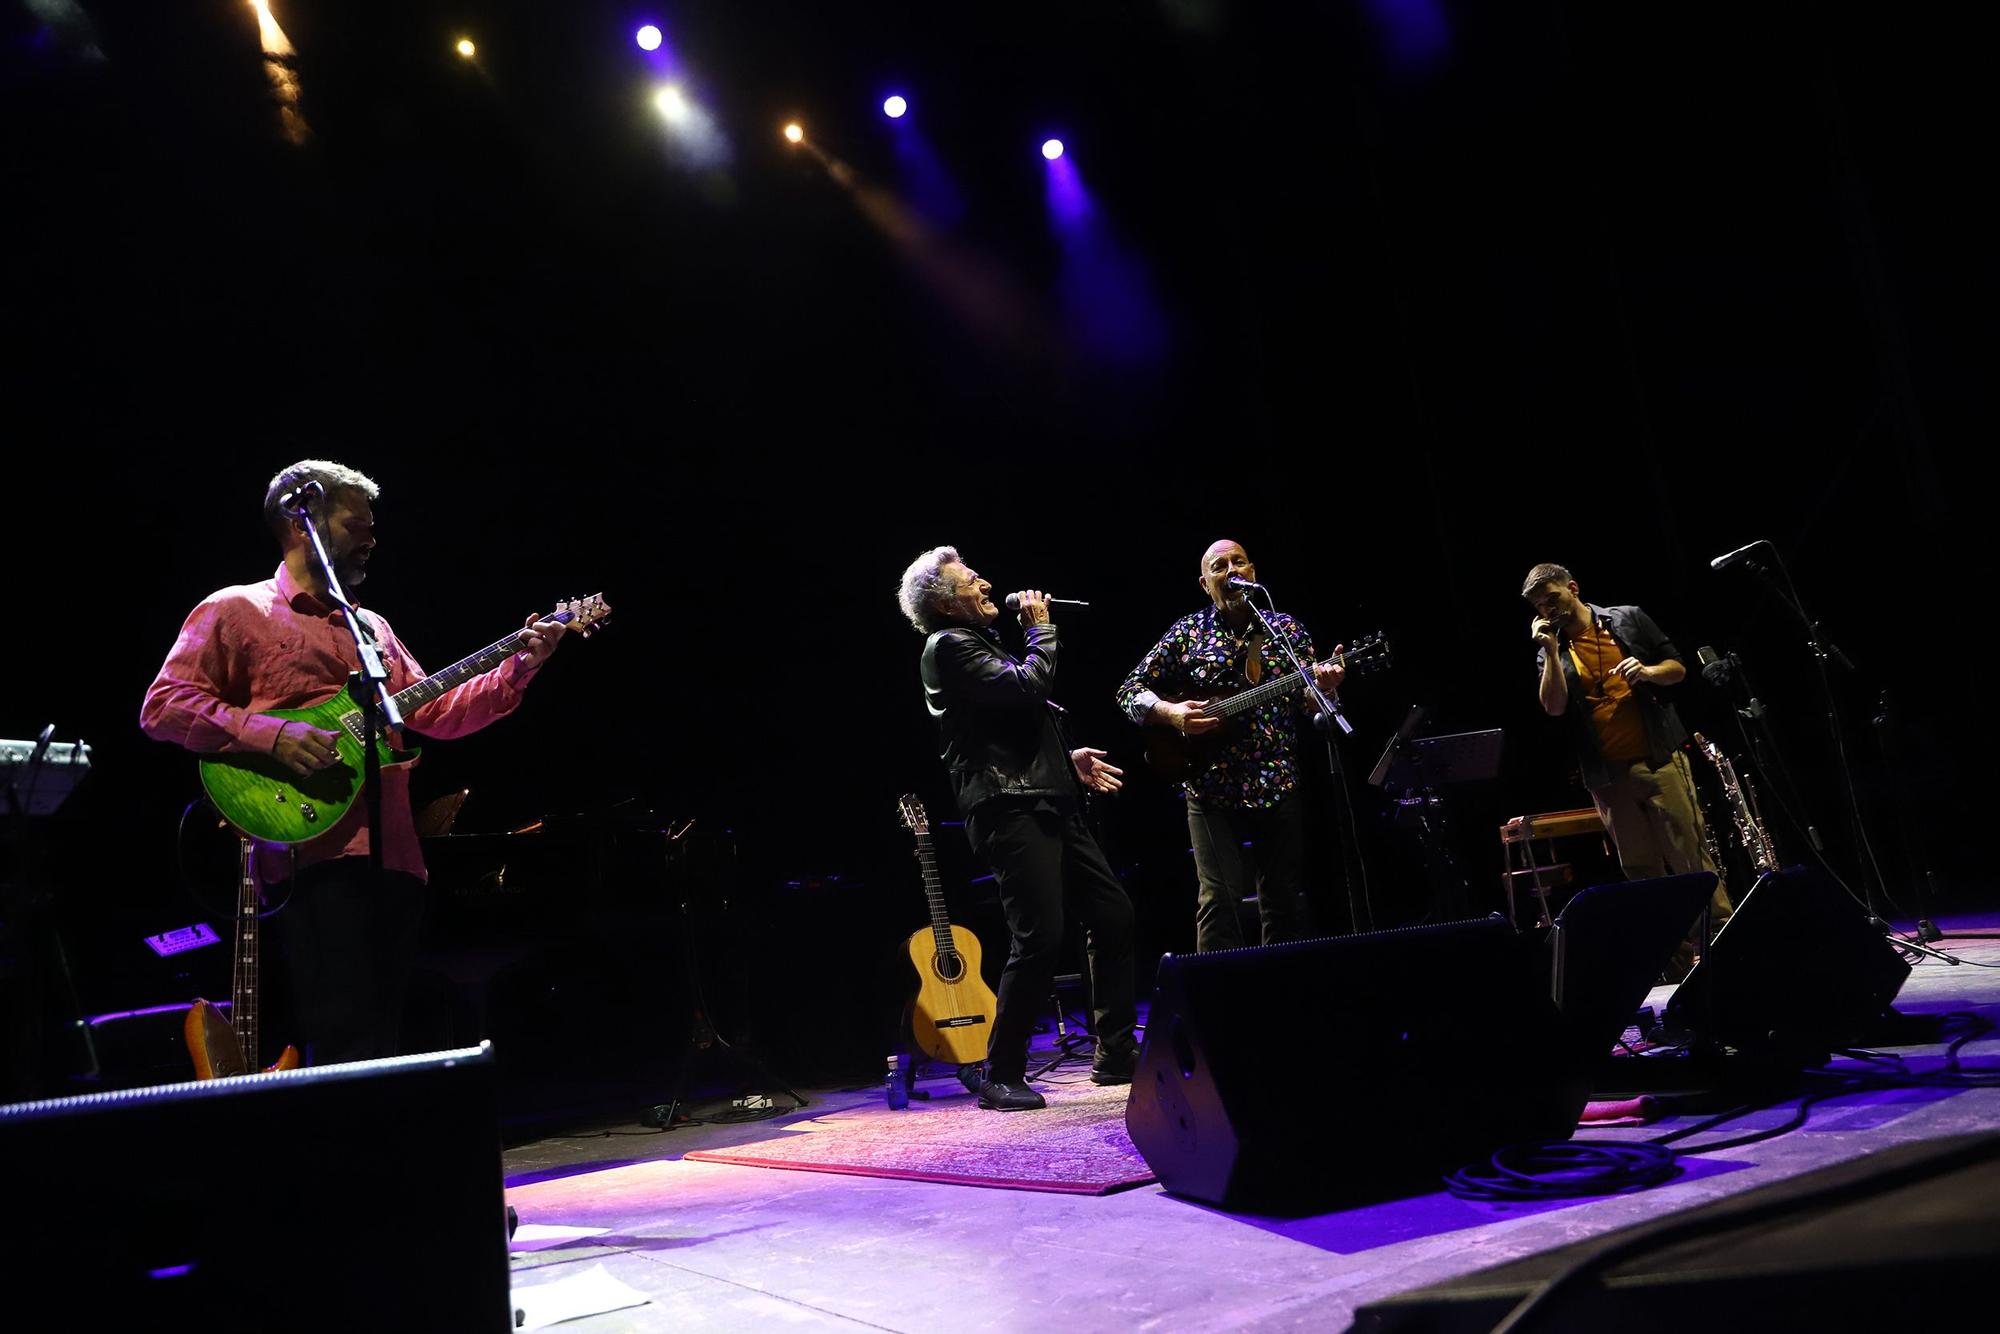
(1418, 768)
(703, 1041)
(36, 981)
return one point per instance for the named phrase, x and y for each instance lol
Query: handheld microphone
(1013, 602)
(1730, 558)
(300, 494)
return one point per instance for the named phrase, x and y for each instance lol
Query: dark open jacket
(1641, 638)
(999, 734)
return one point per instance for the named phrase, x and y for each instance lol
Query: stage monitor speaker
(1325, 1072)
(357, 1196)
(1795, 972)
(1894, 1240)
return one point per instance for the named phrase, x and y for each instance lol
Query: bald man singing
(1249, 791)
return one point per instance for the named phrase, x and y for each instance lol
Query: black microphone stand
(369, 685)
(1823, 651)
(1326, 716)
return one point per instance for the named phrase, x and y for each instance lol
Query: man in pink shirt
(282, 644)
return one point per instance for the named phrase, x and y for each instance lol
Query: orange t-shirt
(1614, 709)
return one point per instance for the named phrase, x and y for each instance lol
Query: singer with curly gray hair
(1021, 787)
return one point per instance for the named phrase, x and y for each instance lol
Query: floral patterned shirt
(1201, 656)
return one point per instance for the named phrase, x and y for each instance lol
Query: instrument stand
(1419, 768)
(702, 1035)
(369, 684)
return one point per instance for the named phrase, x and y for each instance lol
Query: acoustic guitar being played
(1179, 758)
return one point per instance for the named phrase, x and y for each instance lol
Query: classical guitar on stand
(953, 1013)
(1178, 758)
(229, 1046)
(263, 798)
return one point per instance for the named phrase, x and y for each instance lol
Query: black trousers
(1045, 859)
(349, 945)
(1274, 864)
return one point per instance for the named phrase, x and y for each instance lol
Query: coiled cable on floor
(1564, 1169)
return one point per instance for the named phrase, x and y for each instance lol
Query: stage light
(795, 133)
(895, 106)
(649, 38)
(671, 102)
(466, 48)
(1052, 149)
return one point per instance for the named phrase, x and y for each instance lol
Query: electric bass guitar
(953, 1013)
(229, 1046)
(1179, 758)
(265, 799)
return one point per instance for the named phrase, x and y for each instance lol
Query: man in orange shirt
(1605, 669)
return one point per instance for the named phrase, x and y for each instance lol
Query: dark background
(1442, 290)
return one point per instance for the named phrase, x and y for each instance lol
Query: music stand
(40, 774)
(1417, 767)
(1463, 757)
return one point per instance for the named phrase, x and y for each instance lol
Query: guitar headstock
(912, 811)
(1369, 653)
(582, 615)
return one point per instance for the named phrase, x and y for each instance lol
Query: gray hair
(335, 477)
(922, 582)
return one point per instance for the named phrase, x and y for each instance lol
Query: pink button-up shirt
(274, 645)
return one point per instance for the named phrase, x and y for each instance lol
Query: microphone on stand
(1714, 666)
(1013, 602)
(296, 498)
(1727, 559)
(1238, 581)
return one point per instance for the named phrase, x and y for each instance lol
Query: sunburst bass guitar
(221, 1046)
(263, 798)
(953, 1013)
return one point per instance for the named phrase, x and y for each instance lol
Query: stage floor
(715, 1246)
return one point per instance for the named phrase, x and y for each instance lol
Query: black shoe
(1114, 1067)
(995, 1096)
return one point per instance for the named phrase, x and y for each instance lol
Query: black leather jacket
(998, 732)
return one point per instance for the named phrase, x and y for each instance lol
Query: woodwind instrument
(1743, 811)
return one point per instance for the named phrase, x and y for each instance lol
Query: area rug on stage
(1076, 1145)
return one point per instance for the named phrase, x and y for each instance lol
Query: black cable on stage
(1563, 1170)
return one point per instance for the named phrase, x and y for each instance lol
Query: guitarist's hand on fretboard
(538, 639)
(1329, 674)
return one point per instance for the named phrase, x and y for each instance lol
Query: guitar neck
(485, 660)
(1275, 688)
(243, 972)
(934, 891)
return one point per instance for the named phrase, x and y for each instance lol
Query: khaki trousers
(1657, 827)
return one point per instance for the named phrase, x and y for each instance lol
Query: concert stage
(712, 1245)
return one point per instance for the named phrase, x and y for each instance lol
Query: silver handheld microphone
(1013, 602)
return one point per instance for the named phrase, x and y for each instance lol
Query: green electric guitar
(266, 800)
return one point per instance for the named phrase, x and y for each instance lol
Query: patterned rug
(1076, 1145)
